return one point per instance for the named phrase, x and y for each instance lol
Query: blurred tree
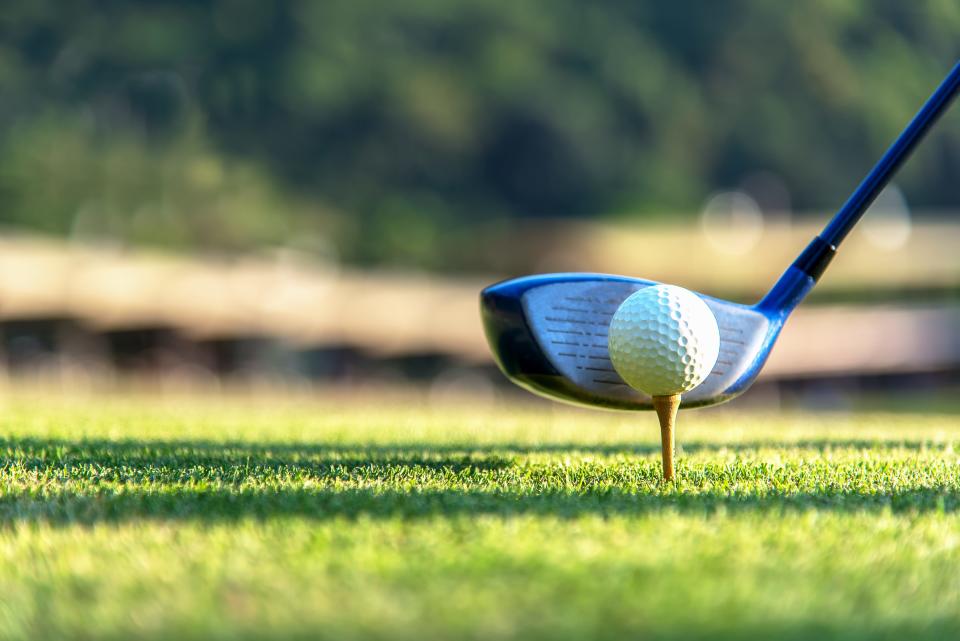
(384, 126)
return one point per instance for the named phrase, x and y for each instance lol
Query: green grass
(354, 520)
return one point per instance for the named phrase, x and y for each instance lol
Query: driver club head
(548, 334)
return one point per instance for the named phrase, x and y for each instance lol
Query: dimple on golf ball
(664, 340)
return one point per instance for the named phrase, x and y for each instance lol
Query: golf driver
(548, 333)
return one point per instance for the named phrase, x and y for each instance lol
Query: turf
(355, 520)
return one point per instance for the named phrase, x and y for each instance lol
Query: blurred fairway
(352, 520)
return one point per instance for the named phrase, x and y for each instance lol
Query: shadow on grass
(417, 453)
(89, 481)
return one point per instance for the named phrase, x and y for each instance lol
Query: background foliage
(374, 130)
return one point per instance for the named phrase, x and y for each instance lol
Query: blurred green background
(314, 191)
(399, 133)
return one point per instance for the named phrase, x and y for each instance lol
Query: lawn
(346, 519)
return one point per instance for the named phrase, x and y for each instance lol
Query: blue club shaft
(800, 278)
(858, 203)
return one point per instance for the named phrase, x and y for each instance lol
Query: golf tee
(667, 407)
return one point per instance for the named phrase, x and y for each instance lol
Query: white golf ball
(664, 340)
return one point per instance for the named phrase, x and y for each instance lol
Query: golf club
(548, 333)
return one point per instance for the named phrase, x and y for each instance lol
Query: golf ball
(664, 340)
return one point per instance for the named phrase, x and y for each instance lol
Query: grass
(348, 520)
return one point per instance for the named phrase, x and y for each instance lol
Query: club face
(549, 335)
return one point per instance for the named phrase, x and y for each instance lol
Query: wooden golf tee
(667, 407)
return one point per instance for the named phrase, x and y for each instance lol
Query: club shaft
(861, 199)
(799, 279)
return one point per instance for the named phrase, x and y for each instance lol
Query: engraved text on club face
(570, 321)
